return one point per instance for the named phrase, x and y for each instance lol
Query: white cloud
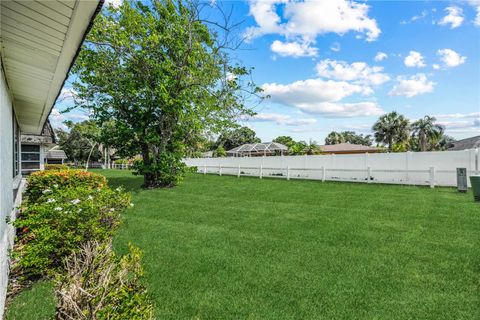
(321, 97)
(451, 58)
(357, 72)
(410, 87)
(335, 47)
(310, 18)
(436, 66)
(343, 110)
(414, 59)
(67, 94)
(113, 3)
(420, 16)
(454, 18)
(293, 49)
(458, 115)
(380, 56)
(310, 91)
(282, 119)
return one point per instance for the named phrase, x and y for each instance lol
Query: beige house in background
(39, 41)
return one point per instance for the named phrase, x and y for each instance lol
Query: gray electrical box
(462, 179)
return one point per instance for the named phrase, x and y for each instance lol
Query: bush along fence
(64, 232)
(414, 168)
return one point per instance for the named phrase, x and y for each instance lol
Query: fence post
(432, 177)
(407, 165)
(219, 169)
(205, 169)
(261, 171)
(238, 174)
(323, 174)
(288, 172)
(369, 174)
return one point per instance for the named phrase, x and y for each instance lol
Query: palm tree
(312, 148)
(427, 131)
(334, 138)
(391, 128)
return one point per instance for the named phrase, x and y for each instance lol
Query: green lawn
(229, 248)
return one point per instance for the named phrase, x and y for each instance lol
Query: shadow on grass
(130, 183)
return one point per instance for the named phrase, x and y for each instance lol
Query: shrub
(56, 167)
(41, 182)
(166, 172)
(98, 284)
(60, 221)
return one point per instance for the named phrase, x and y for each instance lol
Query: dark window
(30, 158)
(16, 144)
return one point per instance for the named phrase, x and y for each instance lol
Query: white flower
(50, 200)
(58, 209)
(112, 209)
(80, 210)
(75, 201)
(90, 198)
(131, 204)
(55, 185)
(46, 191)
(119, 189)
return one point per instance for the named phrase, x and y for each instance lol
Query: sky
(338, 65)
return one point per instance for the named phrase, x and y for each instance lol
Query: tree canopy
(233, 138)
(163, 76)
(348, 137)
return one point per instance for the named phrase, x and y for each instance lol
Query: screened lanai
(258, 150)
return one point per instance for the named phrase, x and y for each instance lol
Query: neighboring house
(55, 156)
(348, 148)
(39, 41)
(469, 143)
(34, 148)
(258, 150)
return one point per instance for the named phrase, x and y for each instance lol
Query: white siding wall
(6, 184)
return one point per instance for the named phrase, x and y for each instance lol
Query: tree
(220, 152)
(427, 131)
(390, 129)
(164, 76)
(81, 141)
(234, 138)
(348, 137)
(334, 138)
(285, 140)
(444, 143)
(298, 148)
(312, 148)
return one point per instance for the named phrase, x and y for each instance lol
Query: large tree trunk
(149, 179)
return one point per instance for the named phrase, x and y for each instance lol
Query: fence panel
(416, 168)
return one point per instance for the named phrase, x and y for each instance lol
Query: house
(348, 148)
(36, 150)
(55, 156)
(258, 150)
(469, 143)
(39, 41)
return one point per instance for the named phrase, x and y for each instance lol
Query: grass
(35, 303)
(228, 248)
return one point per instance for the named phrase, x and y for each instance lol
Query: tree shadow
(130, 184)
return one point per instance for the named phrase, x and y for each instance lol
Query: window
(16, 145)
(30, 158)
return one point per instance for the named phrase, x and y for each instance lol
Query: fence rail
(412, 168)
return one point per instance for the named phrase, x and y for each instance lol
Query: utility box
(462, 180)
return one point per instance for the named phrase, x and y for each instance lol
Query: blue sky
(338, 65)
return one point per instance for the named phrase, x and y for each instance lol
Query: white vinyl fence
(415, 168)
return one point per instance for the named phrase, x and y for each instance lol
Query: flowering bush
(43, 182)
(62, 219)
(56, 167)
(112, 291)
